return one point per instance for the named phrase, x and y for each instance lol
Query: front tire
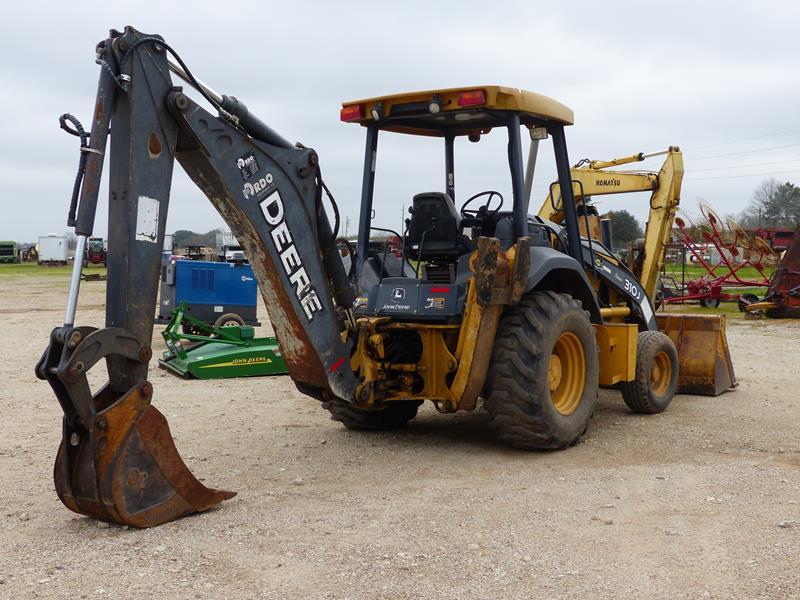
(393, 416)
(657, 373)
(542, 385)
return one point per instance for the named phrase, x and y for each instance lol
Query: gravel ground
(702, 501)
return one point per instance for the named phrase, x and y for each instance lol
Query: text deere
(272, 209)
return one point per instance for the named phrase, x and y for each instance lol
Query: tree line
(773, 204)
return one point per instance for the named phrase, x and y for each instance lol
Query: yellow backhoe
(705, 362)
(488, 302)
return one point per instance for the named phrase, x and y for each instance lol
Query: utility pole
(346, 226)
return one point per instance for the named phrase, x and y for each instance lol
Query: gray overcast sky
(716, 78)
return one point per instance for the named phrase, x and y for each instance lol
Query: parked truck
(228, 249)
(96, 251)
(8, 252)
(53, 249)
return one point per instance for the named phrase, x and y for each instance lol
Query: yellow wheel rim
(566, 373)
(660, 374)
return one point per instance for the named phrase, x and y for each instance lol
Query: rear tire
(709, 302)
(657, 373)
(229, 320)
(542, 385)
(393, 416)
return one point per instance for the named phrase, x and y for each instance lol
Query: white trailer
(228, 248)
(225, 239)
(53, 249)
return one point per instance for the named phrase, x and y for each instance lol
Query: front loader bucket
(703, 355)
(125, 467)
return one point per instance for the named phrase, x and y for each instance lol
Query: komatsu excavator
(701, 340)
(489, 303)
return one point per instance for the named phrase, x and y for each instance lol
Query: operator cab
(430, 283)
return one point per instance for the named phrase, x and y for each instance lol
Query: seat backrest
(435, 213)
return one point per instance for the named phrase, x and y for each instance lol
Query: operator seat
(434, 215)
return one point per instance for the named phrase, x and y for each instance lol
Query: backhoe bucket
(125, 467)
(703, 355)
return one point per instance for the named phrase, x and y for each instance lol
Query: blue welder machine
(216, 292)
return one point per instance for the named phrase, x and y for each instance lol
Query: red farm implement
(731, 259)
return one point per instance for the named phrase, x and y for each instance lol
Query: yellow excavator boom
(594, 179)
(703, 353)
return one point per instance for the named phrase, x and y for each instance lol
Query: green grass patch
(695, 272)
(730, 309)
(31, 269)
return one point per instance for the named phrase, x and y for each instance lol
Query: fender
(554, 270)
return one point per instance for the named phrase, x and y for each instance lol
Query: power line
(747, 139)
(736, 176)
(763, 164)
(743, 152)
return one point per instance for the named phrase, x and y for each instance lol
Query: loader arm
(596, 178)
(117, 460)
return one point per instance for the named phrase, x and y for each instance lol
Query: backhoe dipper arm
(596, 179)
(117, 461)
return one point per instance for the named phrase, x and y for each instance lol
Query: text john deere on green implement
(218, 352)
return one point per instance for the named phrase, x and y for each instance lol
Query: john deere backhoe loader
(497, 304)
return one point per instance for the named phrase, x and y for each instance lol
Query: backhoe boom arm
(270, 195)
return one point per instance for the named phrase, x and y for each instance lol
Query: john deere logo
(398, 294)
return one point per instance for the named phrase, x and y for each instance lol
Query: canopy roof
(461, 111)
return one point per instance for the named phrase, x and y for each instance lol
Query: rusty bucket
(117, 460)
(125, 467)
(703, 355)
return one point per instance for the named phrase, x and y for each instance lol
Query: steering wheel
(483, 211)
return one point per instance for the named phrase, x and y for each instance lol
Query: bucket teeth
(125, 467)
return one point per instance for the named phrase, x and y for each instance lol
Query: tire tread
(518, 349)
(636, 393)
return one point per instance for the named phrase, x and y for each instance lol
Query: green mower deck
(220, 352)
